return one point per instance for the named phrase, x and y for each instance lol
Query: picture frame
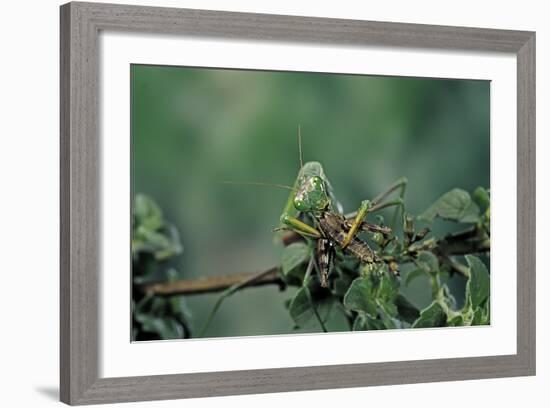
(81, 23)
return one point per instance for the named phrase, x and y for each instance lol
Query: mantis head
(311, 189)
(312, 195)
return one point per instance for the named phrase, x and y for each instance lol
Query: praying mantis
(313, 212)
(312, 199)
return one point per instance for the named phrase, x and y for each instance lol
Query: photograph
(274, 204)
(284, 203)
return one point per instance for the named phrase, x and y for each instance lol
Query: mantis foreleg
(300, 227)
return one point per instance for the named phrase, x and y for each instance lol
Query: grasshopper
(312, 198)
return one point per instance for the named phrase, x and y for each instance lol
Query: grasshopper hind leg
(325, 256)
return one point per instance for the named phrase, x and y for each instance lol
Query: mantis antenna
(257, 183)
(300, 145)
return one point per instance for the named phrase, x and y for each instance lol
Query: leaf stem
(228, 292)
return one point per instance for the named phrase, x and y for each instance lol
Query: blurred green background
(193, 128)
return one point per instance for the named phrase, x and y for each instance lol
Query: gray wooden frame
(80, 158)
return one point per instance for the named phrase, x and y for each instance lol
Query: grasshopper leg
(359, 217)
(368, 227)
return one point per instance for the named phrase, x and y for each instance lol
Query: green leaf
(427, 261)
(365, 322)
(359, 296)
(150, 234)
(432, 316)
(388, 308)
(477, 319)
(481, 197)
(359, 323)
(486, 315)
(147, 212)
(163, 243)
(481, 316)
(444, 295)
(412, 275)
(388, 321)
(341, 286)
(456, 321)
(173, 247)
(388, 288)
(456, 205)
(294, 255)
(406, 310)
(300, 307)
(467, 315)
(477, 288)
(165, 328)
(179, 308)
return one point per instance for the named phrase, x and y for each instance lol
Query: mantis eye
(318, 182)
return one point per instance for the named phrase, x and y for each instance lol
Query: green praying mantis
(312, 198)
(313, 212)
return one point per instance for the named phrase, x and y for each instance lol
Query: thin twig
(228, 292)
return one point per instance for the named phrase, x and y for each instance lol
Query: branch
(462, 243)
(213, 284)
(464, 247)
